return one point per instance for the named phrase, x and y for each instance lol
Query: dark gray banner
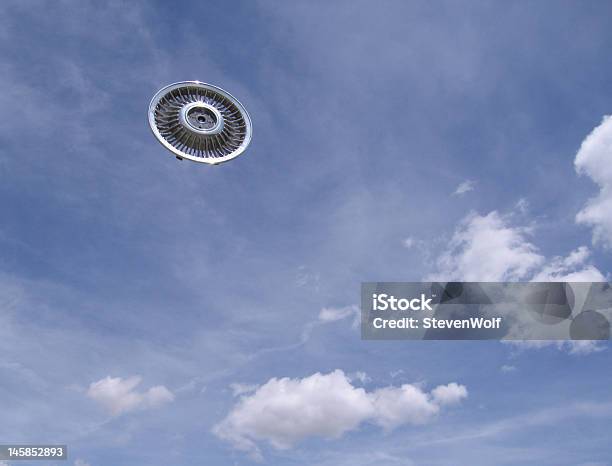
(485, 311)
(33, 452)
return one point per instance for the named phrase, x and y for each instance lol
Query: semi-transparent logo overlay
(485, 311)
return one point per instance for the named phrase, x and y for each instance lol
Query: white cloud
(464, 187)
(507, 368)
(487, 248)
(594, 159)
(407, 404)
(80, 462)
(119, 395)
(490, 248)
(285, 411)
(449, 394)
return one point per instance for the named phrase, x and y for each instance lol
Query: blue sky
(150, 309)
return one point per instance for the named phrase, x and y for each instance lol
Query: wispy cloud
(522, 205)
(575, 267)
(361, 376)
(573, 347)
(239, 389)
(536, 418)
(333, 314)
(464, 187)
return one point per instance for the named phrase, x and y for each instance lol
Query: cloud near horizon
(285, 411)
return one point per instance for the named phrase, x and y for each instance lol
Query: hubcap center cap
(201, 118)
